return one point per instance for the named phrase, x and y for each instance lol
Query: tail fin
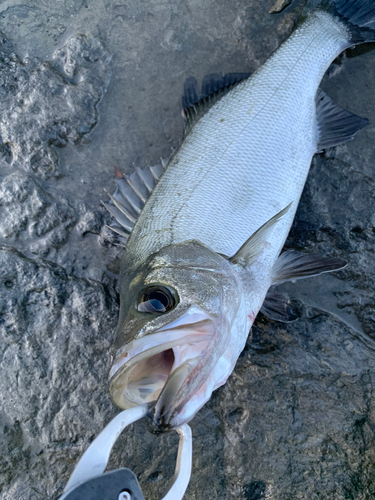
(358, 15)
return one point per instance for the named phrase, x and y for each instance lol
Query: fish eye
(157, 299)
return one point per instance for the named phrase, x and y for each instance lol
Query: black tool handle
(109, 486)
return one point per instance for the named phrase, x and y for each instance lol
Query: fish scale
(203, 255)
(233, 172)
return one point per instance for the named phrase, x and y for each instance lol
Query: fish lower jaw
(168, 400)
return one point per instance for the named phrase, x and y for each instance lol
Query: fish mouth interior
(162, 360)
(145, 381)
(144, 377)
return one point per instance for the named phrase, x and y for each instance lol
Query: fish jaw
(174, 357)
(146, 366)
(256, 282)
(221, 371)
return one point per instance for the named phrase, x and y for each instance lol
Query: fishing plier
(90, 482)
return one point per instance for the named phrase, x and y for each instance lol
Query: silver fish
(203, 234)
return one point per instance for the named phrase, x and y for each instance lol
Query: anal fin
(335, 124)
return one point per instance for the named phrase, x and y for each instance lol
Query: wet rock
(49, 104)
(279, 6)
(92, 222)
(30, 214)
(310, 414)
(326, 224)
(53, 355)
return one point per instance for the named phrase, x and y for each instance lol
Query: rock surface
(297, 417)
(48, 104)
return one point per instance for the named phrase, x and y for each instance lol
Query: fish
(204, 230)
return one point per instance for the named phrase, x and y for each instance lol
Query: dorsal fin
(214, 86)
(335, 124)
(130, 196)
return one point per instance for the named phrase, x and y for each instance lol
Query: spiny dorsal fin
(277, 306)
(214, 86)
(335, 124)
(130, 196)
(253, 247)
(292, 265)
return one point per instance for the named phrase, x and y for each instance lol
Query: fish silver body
(249, 156)
(244, 161)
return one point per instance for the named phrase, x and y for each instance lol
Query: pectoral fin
(253, 247)
(292, 265)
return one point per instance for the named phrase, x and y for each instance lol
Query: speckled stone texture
(91, 87)
(49, 103)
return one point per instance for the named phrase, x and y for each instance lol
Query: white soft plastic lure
(203, 233)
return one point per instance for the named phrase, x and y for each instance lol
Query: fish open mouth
(148, 377)
(153, 369)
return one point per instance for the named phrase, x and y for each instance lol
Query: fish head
(177, 309)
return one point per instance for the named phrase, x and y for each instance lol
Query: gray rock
(27, 208)
(296, 418)
(47, 105)
(53, 356)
